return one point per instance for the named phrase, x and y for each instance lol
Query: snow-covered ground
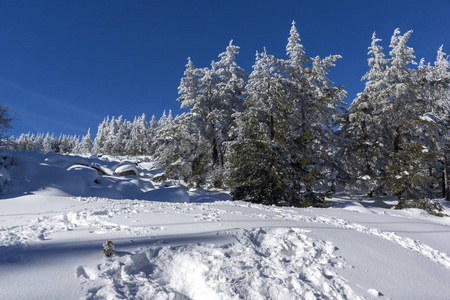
(57, 211)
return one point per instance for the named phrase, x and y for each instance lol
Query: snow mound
(169, 194)
(69, 175)
(278, 263)
(65, 161)
(354, 206)
(202, 196)
(90, 175)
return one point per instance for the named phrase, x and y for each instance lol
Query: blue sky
(65, 65)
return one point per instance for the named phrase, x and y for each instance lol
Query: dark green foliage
(254, 174)
(407, 173)
(426, 204)
(268, 172)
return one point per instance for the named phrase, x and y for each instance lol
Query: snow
(127, 168)
(171, 243)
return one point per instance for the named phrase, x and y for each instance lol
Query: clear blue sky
(65, 65)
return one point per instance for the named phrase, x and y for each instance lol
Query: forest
(283, 135)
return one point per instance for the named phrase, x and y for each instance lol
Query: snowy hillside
(56, 212)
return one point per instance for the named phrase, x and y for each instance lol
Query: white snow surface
(56, 212)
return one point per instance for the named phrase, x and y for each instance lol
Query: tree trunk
(215, 153)
(397, 140)
(401, 201)
(445, 184)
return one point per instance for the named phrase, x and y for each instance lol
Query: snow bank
(32, 171)
(354, 206)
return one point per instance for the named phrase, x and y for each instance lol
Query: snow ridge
(408, 243)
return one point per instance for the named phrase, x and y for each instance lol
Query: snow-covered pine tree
(138, 137)
(435, 92)
(112, 136)
(85, 146)
(389, 113)
(37, 141)
(316, 104)
(101, 136)
(291, 109)
(47, 144)
(361, 154)
(406, 172)
(212, 95)
(175, 142)
(67, 144)
(260, 168)
(152, 135)
(116, 136)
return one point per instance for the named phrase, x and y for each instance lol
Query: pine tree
(316, 103)
(152, 135)
(255, 157)
(212, 95)
(435, 92)
(290, 109)
(86, 143)
(48, 143)
(361, 155)
(101, 136)
(390, 138)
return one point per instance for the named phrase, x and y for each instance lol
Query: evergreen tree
(152, 135)
(212, 95)
(86, 143)
(315, 102)
(361, 155)
(139, 137)
(255, 157)
(435, 90)
(47, 144)
(392, 148)
(399, 115)
(101, 136)
(290, 110)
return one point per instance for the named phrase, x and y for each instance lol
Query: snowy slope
(56, 213)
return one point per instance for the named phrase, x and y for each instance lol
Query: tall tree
(361, 154)
(435, 90)
(101, 136)
(212, 95)
(86, 143)
(386, 121)
(316, 103)
(291, 107)
(138, 142)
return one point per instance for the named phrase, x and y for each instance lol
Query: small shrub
(108, 248)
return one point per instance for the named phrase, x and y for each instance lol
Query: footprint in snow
(81, 272)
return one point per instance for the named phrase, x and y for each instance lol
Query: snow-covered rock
(127, 169)
(90, 175)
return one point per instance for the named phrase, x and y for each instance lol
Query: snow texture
(57, 212)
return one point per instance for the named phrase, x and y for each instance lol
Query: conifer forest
(283, 133)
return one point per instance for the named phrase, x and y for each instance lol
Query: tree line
(282, 135)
